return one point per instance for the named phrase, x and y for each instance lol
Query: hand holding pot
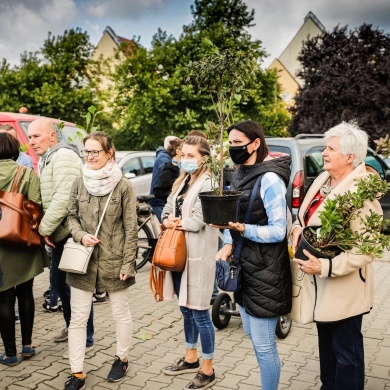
(312, 266)
(296, 236)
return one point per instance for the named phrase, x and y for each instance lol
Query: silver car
(138, 167)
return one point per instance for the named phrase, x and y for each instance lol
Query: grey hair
(353, 140)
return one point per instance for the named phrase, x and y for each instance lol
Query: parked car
(306, 163)
(138, 167)
(70, 132)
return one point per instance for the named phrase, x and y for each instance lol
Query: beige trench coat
(198, 277)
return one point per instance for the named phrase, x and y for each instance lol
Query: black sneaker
(74, 383)
(202, 381)
(46, 293)
(118, 370)
(181, 367)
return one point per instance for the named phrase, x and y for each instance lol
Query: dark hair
(104, 139)
(198, 133)
(174, 144)
(9, 147)
(252, 130)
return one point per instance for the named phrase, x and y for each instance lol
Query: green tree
(152, 98)
(58, 80)
(346, 76)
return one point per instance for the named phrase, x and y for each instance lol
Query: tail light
(297, 190)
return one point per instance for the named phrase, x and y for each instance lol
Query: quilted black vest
(266, 276)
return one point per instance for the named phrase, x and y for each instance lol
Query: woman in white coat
(194, 286)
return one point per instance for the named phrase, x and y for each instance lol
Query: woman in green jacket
(19, 264)
(112, 265)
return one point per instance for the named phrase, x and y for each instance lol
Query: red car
(70, 132)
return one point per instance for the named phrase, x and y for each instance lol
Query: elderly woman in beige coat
(112, 265)
(194, 285)
(344, 284)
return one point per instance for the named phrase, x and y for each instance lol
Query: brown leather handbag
(19, 217)
(170, 253)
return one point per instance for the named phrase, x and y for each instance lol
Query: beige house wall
(289, 57)
(289, 85)
(287, 64)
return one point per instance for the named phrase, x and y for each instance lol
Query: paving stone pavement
(158, 341)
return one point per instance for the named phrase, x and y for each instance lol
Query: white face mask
(189, 166)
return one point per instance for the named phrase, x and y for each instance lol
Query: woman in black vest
(265, 263)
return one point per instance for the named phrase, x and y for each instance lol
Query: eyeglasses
(93, 153)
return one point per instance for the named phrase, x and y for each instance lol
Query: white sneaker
(87, 349)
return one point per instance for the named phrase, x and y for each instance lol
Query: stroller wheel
(218, 312)
(283, 326)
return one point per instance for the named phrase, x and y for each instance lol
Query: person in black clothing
(170, 172)
(266, 276)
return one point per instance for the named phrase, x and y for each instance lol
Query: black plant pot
(220, 209)
(304, 244)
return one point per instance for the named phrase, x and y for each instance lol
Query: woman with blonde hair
(194, 285)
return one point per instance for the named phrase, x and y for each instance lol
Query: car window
(148, 162)
(314, 162)
(132, 165)
(278, 148)
(374, 162)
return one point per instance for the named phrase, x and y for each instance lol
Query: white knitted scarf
(100, 182)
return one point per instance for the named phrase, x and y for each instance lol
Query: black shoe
(181, 367)
(118, 370)
(74, 383)
(46, 293)
(202, 381)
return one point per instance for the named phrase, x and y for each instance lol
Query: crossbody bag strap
(104, 211)
(240, 242)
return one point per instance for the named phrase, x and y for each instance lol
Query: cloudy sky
(25, 23)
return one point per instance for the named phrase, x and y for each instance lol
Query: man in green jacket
(59, 165)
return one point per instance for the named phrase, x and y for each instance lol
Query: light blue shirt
(25, 160)
(273, 193)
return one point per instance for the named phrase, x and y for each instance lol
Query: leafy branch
(336, 217)
(224, 76)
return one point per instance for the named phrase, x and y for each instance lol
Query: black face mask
(240, 154)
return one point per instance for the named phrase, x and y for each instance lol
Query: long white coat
(202, 245)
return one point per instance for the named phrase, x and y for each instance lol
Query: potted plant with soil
(223, 75)
(335, 234)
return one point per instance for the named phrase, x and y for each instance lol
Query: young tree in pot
(223, 75)
(335, 234)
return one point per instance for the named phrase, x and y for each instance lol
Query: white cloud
(26, 28)
(124, 9)
(278, 21)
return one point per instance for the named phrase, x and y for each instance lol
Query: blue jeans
(59, 284)
(196, 323)
(53, 292)
(341, 352)
(261, 332)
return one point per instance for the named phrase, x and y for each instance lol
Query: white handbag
(75, 257)
(303, 295)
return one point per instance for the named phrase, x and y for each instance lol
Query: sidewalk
(158, 341)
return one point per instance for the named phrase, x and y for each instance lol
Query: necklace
(326, 188)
